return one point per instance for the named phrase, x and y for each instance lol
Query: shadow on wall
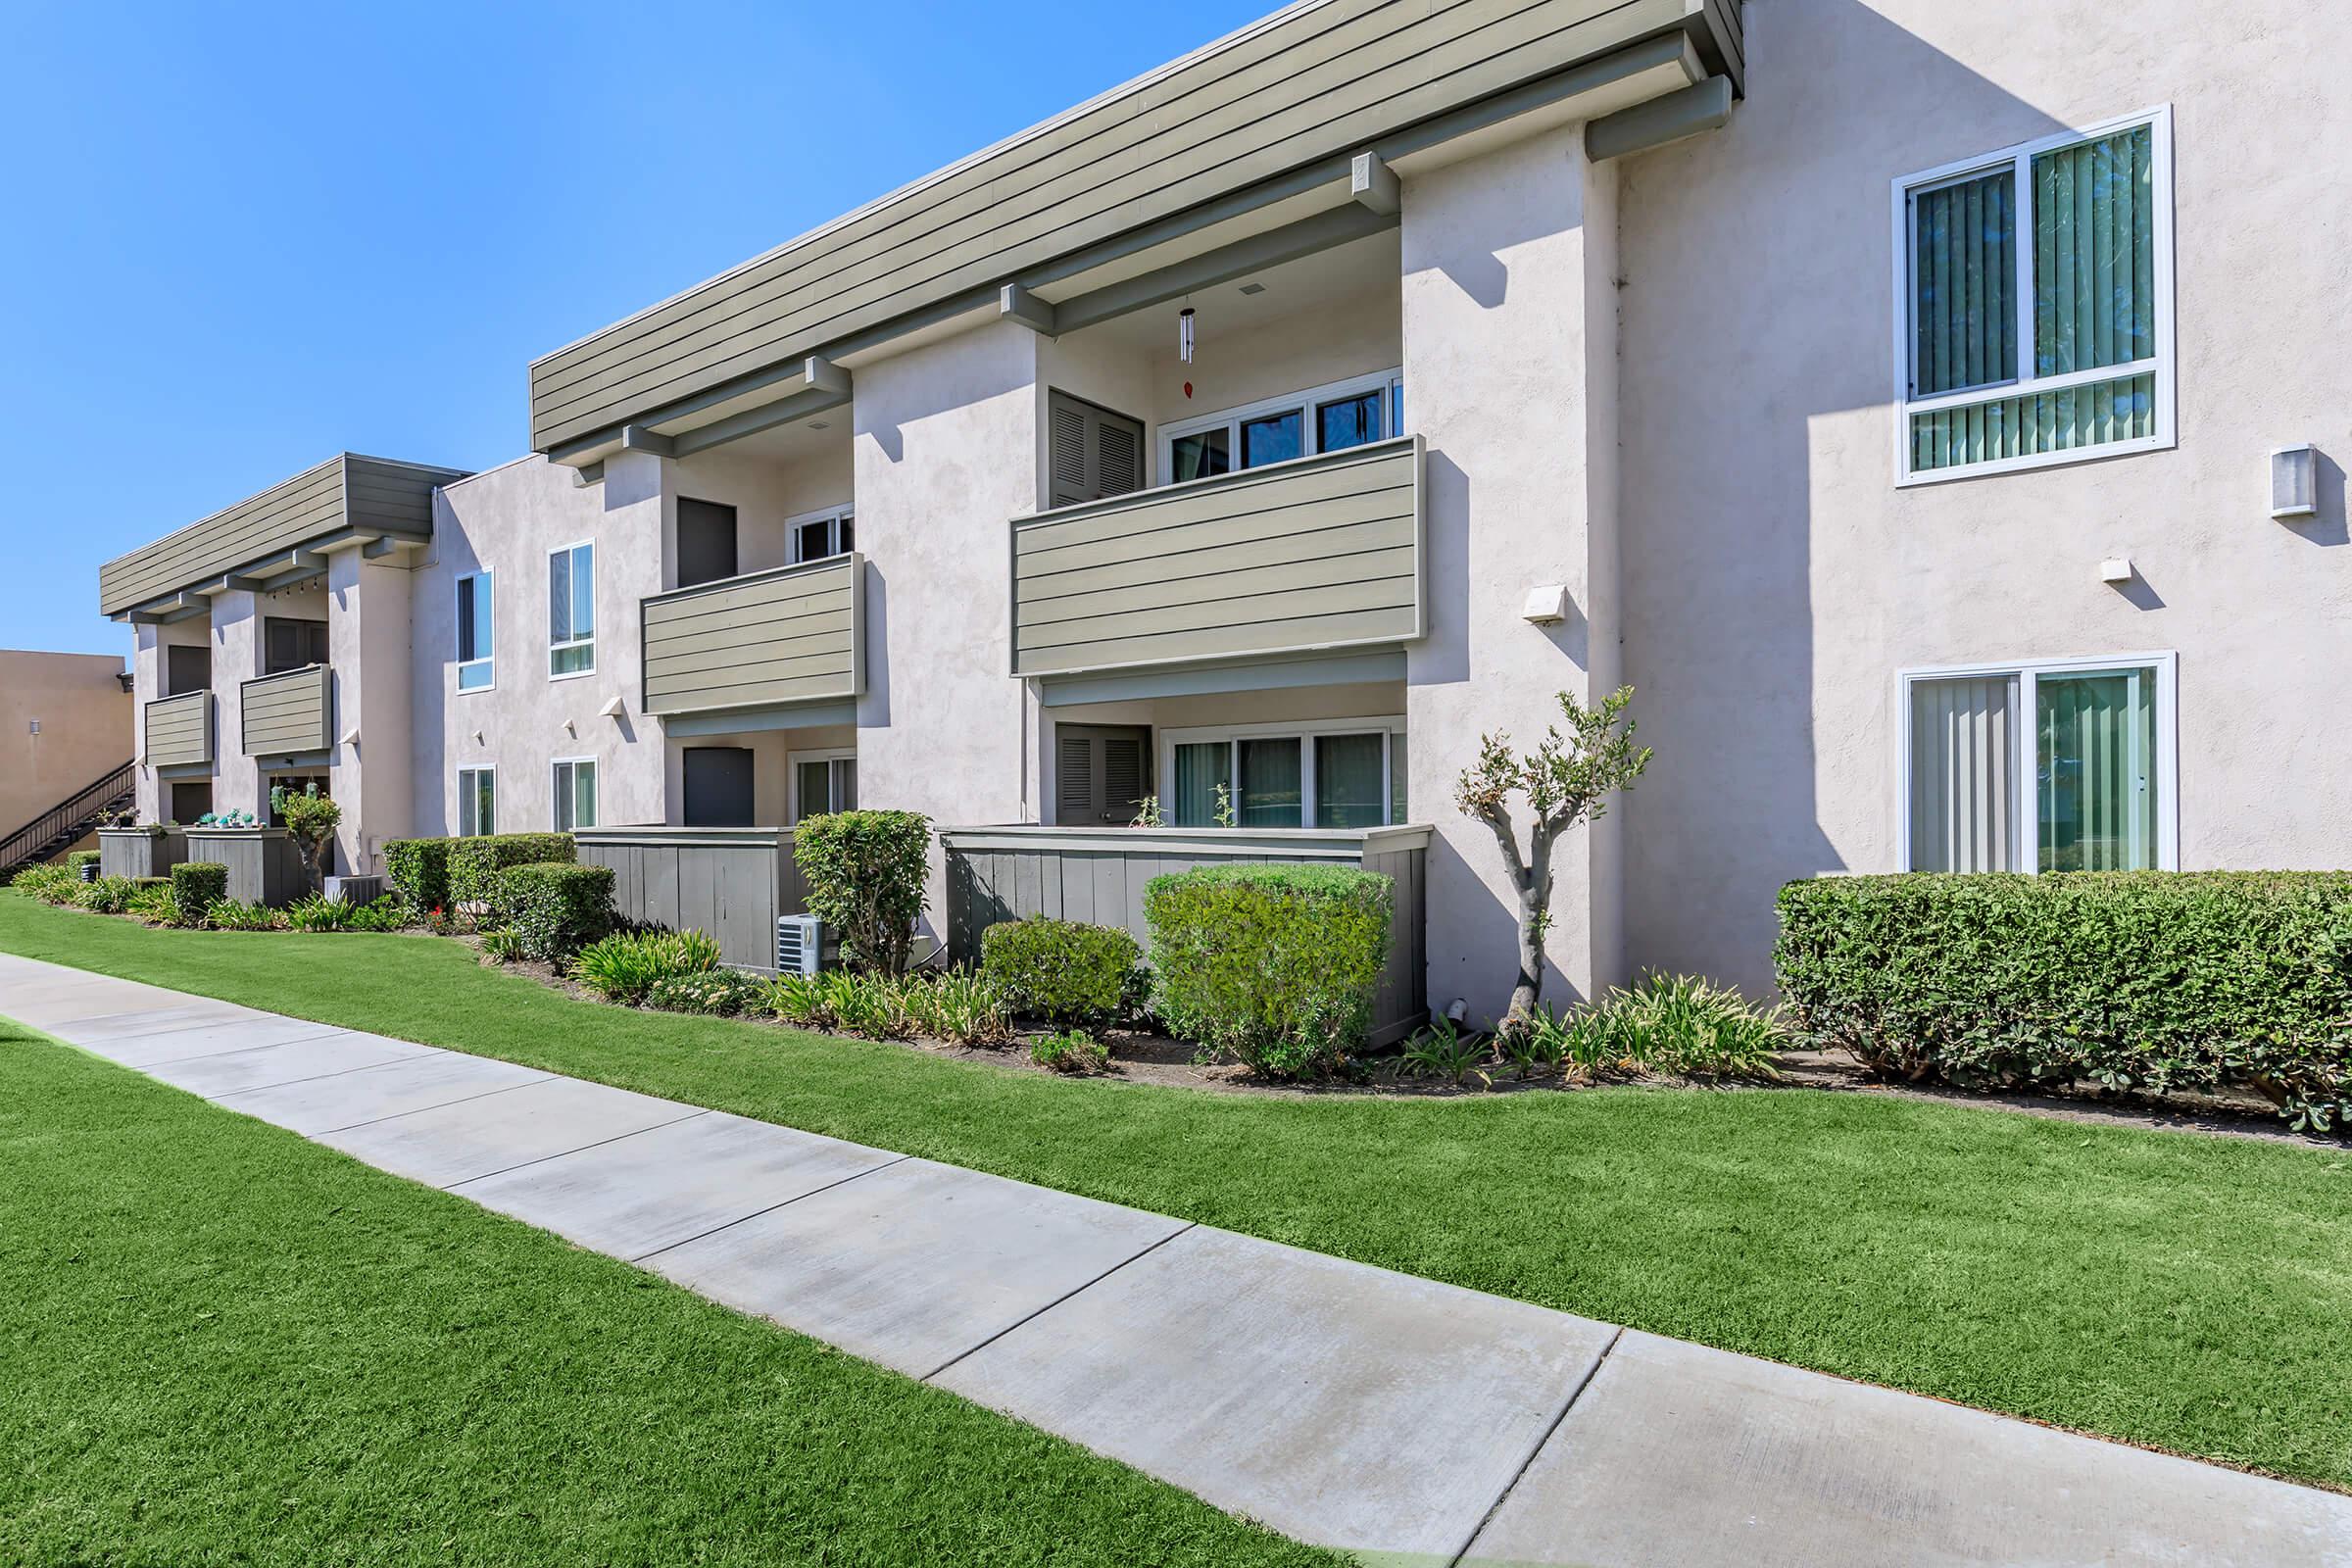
(1742, 327)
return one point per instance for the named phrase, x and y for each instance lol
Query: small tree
(311, 821)
(865, 873)
(1566, 779)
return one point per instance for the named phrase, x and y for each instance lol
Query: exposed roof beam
(588, 473)
(784, 410)
(1679, 115)
(637, 439)
(1017, 303)
(823, 375)
(1257, 254)
(389, 544)
(1373, 185)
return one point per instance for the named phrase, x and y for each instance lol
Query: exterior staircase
(64, 823)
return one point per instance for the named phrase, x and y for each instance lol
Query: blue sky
(243, 238)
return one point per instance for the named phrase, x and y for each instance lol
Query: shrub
(196, 886)
(51, 884)
(556, 907)
(1443, 1048)
(724, 992)
(228, 914)
(2150, 980)
(625, 965)
(153, 902)
(500, 944)
(315, 914)
(387, 914)
(1065, 971)
(109, 895)
(419, 869)
(1073, 1052)
(83, 865)
(870, 1005)
(1667, 1024)
(477, 865)
(958, 1005)
(1275, 964)
(865, 873)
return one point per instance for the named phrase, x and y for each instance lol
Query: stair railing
(27, 841)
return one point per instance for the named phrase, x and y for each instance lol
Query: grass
(2188, 1292)
(228, 1344)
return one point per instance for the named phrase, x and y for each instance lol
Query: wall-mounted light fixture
(2116, 568)
(1546, 605)
(2295, 483)
(613, 708)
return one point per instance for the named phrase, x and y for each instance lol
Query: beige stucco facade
(65, 721)
(1665, 382)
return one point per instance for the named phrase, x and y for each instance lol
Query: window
(477, 800)
(571, 611)
(1338, 773)
(2059, 766)
(475, 669)
(289, 644)
(815, 535)
(2036, 323)
(574, 793)
(822, 782)
(1327, 419)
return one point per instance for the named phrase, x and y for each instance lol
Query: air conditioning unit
(800, 944)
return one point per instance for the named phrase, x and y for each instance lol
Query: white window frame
(465, 795)
(1389, 726)
(2021, 157)
(1389, 383)
(792, 772)
(833, 518)
(558, 793)
(588, 642)
(488, 661)
(2025, 765)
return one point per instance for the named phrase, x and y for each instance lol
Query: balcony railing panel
(793, 635)
(178, 730)
(1320, 552)
(283, 715)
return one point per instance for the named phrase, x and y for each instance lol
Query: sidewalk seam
(1188, 1225)
(1528, 1463)
(742, 1219)
(634, 1132)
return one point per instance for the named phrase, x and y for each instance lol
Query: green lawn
(227, 1345)
(2190, 1293)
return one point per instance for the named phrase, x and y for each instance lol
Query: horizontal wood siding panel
(283, 713)
(771, 638)
(179, 730)
(343, 492)
(1312, 87)
(1321, 552)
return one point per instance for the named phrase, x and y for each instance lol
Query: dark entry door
(290, 644)
(719, 786)
(187, 669)
(1102, 773)
(705, 541)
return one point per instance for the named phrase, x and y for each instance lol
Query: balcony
(289, 713)
(1318, 554)
(769, 639)
(178, 730)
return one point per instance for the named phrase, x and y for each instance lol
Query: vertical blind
(2090, 222)
(2095, 749)
(1962, 779)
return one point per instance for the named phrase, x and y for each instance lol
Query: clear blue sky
(240, 239)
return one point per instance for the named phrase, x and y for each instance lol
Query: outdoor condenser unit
(800, 944)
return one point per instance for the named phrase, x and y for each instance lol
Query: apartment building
(1933, 417)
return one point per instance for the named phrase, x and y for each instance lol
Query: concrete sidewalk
(1404, 1420)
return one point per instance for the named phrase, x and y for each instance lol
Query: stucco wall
(764, 492)
(372, 777)
(507, 519)
(1510, 351)
(1777, 579)
(946, 441)
(86, 721)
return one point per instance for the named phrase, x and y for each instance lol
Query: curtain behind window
(2094, 756)
(1963, 783)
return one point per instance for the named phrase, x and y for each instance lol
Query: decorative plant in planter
(311, 821)
(229, 818)
(1567, 780)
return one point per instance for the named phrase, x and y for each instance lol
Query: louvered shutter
(1101, 774)
(1122, 776)
(1074, 800)
(1089, 450)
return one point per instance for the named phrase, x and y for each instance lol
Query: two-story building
(1933, 419)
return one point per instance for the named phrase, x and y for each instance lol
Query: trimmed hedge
(1277, 965)
(196, 886)
(2146, 980)
(556, 907)
(475, 864)
(83, 863)
(419, 869)
(1065, 971)
(865, 873)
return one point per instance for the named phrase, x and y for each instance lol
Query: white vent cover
(800, 944)
(2295, 483)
